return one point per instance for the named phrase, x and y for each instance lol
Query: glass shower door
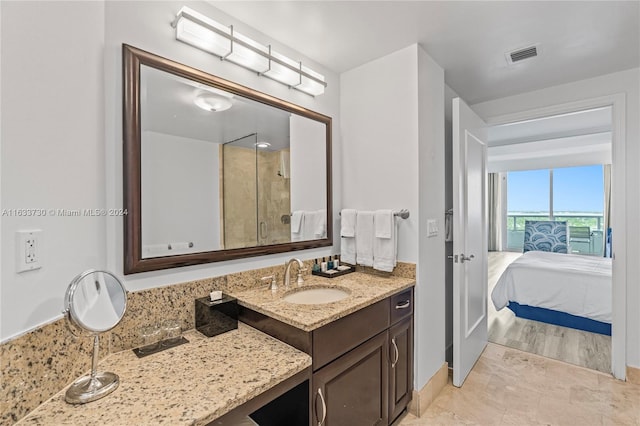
(239, 189)
(274, 199)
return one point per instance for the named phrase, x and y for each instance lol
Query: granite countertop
(191, 384)
(365, 289)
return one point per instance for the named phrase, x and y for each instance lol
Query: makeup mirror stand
(94, 386)
(95, 303)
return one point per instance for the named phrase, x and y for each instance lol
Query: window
(527, 197)
(574, 194)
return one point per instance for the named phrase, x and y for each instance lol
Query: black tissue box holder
(217, 317)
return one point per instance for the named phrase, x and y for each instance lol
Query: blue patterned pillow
(545, 235)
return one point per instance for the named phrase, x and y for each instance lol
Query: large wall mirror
(216, 171)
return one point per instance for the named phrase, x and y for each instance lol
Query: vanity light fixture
(220, 40)
(212, 102)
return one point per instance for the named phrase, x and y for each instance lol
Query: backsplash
(404, 270)
(38, 364)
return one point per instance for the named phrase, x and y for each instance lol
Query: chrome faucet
(287, 269)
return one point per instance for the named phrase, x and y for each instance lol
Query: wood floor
(511, 387)
(590, 350)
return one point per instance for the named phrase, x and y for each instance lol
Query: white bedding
(575, 284)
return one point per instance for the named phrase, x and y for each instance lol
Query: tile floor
(511, 387)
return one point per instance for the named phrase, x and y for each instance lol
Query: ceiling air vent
(522, 54)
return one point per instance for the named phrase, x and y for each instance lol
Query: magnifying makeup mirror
(95, 303)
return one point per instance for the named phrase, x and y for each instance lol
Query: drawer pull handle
(403, 305)
(396, 353)
(324, 408)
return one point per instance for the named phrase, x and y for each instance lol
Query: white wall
(180, 194)
(379, 113)
(393, 156)
(430, 314)
(62, 121)
(52, 157)
(627, 83)
(308, 164)
(146, 25)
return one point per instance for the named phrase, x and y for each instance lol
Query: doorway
(615, 106)
(552, 170)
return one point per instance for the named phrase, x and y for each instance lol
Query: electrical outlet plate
(28, 250)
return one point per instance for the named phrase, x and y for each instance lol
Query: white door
(469, 240)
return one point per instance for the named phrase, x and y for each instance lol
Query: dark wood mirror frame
(133, 58)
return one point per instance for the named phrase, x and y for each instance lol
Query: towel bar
(402, 214)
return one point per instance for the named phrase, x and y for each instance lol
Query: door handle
(396, 353)
(464, 258)
(324, 408)
(263, 230)
(403, 305)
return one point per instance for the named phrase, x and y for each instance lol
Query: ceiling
(168, 107)
(469, 40)
(587, 122)
(566, 140)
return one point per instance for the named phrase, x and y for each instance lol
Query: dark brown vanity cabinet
(401, 366)
(362, 363)
(400, 353)
(353, 389)
(373, 383)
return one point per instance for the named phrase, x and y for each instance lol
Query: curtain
(607, 206)
(494, 200)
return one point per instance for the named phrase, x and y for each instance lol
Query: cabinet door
(353, 389)
(401, 366)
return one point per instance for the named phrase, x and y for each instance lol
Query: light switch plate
(28, 250)
(432, 228)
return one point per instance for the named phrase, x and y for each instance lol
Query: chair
(580, 235)
(545, 235)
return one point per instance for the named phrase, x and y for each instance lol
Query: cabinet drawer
(401, 305)
(340, 336)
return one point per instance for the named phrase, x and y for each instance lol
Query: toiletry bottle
(323, 265)
(316, 267)
(329, 263)
(336, 261)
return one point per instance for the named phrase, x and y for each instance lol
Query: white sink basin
(316, 296)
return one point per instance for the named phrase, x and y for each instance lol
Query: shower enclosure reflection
(256, 198)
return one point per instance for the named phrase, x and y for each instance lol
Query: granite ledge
(365, 290)
(192, 384)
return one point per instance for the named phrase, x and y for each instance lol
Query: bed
(563, 289)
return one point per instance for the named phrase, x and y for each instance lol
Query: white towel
(383, 221)
(320, 225)
(385, 250)
(296, 221)
(348, 223)
(348, 250)
(364, 238)
(297, 225)
(348, 233)
(284, 164)
(309, 225)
